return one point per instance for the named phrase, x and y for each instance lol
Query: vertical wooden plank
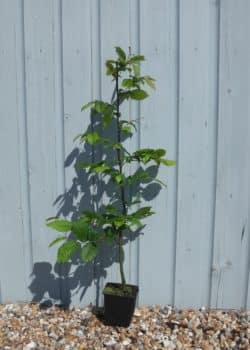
(96, 91)
(247, 303)
(134, 114)
(197, 140)
(42, 140)
(23, 148)
(231, 249)
(114, 29)
(12, 267)
(158, 42)
(77, 87)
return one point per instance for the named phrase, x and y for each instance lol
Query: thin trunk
(118, 152)
(120, 250)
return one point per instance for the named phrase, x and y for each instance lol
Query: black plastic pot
(118, 310)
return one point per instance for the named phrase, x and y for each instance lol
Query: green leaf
(146, 158)
(118, 178)
(89, 252)
(109, 208)
(60, 225)
(136, 59)
(107, 118)
(110, 236)
(119, 222)
(99, 168)
(117, 145)
(133, 202)
(121, 54)
(88, 105)
(58, 239)
(160, 152)
(131, 179)
(93, 138)
(135, 222)
(108, 115)
(168, 162)
(128, 83)
(128, 122)
(150, 82)
(124, 95)
(142, 213)
(138, 94)
(136, 70)
(126, 129)
(80, 229)
(147, 154)
(100, 106)
(109, 67)
(66, 251)
(89, 216)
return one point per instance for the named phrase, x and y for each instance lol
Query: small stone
(143, 327)
(12, 309)
(194, 323)
(53, 336)
(153, 328)
(67, 347)
(168, 344)
(126, 342)
(85, 314)
(31, 345)
(110, 342)
(83, 346)
(137, 313)
(117, 347)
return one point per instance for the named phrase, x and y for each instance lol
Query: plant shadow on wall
(101, 206)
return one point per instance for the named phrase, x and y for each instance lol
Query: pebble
(126, 342)
(110, 342)
(28, 327)
(137, 313)
(31, 345)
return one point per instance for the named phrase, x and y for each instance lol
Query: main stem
(118, 152)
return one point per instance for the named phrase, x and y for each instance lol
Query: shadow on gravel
(59, 283)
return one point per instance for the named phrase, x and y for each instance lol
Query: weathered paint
(195, 250)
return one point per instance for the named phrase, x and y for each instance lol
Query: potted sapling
(124, 212)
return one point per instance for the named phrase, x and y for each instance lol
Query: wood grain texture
(12, 216)
(133, 143)
(77, 87)
(231, 249)
(197, 101)
(157, 245)
(39, 31)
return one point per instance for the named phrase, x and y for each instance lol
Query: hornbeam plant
(113, 221)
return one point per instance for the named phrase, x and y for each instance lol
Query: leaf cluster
(84, 236)
(92, 229)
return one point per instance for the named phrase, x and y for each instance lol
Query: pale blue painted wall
(195, 251)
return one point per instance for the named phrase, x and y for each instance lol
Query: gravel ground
(28, 327)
